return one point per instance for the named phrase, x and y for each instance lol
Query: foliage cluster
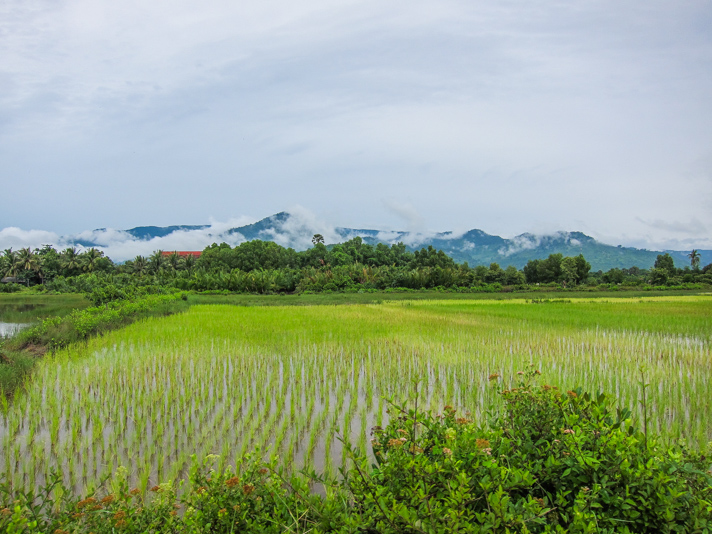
(264, 267)
(548, 461)
(36, 266)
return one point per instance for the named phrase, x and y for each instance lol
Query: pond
(8, 329)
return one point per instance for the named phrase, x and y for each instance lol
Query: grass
(285, 380)
(327, 299)
(21, 351)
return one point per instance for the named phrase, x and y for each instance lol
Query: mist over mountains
(296, 229)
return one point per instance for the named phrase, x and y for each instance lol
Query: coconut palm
(156, 261)
(90, 259)
(173, 261)
(71, 261)
(8, 263)
(188, 262)
(28, 261)
(140, 265)
(694, 259)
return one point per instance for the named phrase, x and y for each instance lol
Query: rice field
(289, 381)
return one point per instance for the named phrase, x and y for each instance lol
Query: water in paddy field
(9, 329)
(149, 407)
(151, 416)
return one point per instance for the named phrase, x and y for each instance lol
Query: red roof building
(183, 253)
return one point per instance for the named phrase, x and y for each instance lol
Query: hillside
(475, 246)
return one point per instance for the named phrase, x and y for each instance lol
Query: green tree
(514, 277)
(156, 262)
(430, 257)
(531, 271)
(140, 265)
(8, 263)
(173, 261)
(694, 259)
(188, 262)
(658, 276)
(495, 274)
(71, 262)
(90, 259)
(665, 261)
(550, 268)
(318, 238)
(28, 262)
(614, 276)
(582, 268)
(50, 263)
(568, 271)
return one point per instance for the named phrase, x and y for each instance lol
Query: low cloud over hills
(296, 229)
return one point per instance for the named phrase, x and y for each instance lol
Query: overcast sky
(508, 116)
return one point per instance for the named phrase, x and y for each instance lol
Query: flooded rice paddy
(290, 382)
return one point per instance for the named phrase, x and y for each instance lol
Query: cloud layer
(508, 116)
(295, 231)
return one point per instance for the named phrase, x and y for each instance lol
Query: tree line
(267, 267)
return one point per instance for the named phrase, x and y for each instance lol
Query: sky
(508, 116)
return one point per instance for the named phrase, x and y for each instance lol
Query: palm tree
(90, 258)
(8, 263)
(27, 261)
(188, 262)
(694, 259)
(140, 264)
(71, 261)
(173, 260)
(156, 261)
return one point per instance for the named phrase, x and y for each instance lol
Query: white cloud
(120, 246)
(415, 222)
(299, 228)
(389, 236)
(561, 112)
(520, 243)
(693, 227)
(16, 238)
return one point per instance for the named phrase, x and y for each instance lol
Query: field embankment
(58, 321)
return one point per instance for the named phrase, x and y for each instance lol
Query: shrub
(547, 461)
(11, 288)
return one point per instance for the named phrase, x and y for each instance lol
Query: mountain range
(474, 246)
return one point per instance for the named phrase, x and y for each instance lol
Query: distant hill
(475, 246)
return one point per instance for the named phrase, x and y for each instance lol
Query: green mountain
(475, 246)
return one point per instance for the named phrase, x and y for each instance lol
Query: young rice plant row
(290, 381)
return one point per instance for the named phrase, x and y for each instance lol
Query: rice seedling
(289, 381)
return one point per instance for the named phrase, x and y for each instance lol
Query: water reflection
(8, 329)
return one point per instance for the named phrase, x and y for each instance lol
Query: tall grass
(288, 381)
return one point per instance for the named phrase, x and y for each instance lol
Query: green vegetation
(28, 307)
(287, 380)
(279, 355)
(546, 461)
(73, 322)
(264, 267)
(543, 295)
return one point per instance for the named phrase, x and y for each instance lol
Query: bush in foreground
(547, 462)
